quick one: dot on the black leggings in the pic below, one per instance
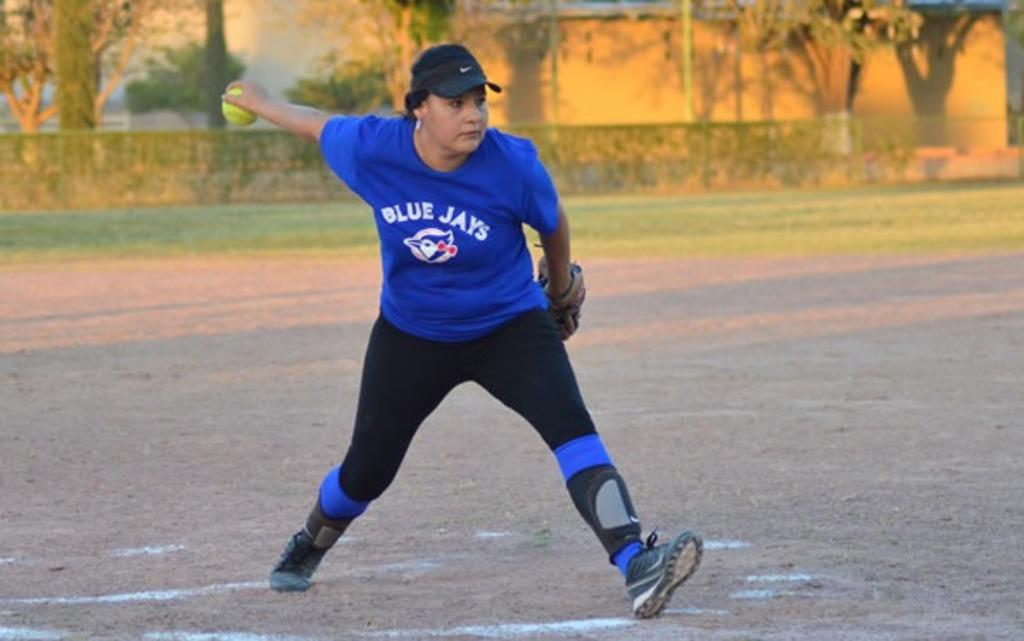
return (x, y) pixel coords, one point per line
(523, 364)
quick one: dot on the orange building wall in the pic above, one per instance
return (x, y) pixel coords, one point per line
(609, 71)
(623, 70)
(619, 71)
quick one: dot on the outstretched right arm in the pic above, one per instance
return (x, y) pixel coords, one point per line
(301, 121)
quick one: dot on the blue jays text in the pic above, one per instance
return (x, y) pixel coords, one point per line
(413, 211)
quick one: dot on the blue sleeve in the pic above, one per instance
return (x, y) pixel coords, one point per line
(339, 141)
(540, 209)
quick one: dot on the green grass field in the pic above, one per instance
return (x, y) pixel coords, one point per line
(921, 218)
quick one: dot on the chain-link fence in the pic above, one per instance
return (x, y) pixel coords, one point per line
(125, 169)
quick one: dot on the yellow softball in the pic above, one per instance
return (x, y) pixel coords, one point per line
(234, 114)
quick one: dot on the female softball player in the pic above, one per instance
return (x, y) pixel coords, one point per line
(449, 198)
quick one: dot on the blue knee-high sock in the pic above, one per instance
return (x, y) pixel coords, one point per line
(580, 454)
(333, 500)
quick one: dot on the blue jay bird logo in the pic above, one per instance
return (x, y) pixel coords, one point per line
(432, 245)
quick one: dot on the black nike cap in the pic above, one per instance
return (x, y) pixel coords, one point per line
(448, 70)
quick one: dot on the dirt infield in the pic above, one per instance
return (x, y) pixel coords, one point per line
(847, 434)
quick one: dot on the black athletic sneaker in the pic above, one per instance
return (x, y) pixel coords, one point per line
(300, 559)
(657, 571)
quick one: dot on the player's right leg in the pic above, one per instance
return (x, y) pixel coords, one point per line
(394, 398)
(302, 555)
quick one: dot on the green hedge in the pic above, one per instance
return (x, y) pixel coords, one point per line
(681, 157)
(117, 169)
(92, 170)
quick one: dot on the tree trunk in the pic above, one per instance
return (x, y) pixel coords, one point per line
(28, 123)
(830, 68)
(737, 72)
(526, 45)
(139, 10)
(395, 22)
(406, 53)
(76, 76)
(928, 85)
(836, 136)
(215, 70)
(834, 72)
(764, 62)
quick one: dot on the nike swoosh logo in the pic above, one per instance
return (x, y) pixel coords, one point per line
(464, 69)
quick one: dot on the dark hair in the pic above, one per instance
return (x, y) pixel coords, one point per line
(414, 99)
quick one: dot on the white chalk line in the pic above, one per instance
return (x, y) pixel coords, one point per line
(491, 631)
(137, 597)
(726, 544)
(149, 550)
(492, 535)
(768, 593)
(779, 578)
(757, 595)
(419, 565)
(694, 611)
(31, 634)
(28, 634)
(407, 566)
(155, 550)
(509, 630)
(220, 636)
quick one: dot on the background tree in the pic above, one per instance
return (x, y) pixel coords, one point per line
(929, 66)
(526, 44)
(836, 36)
(714, 77)
(215, 70)
(764, 27)
(28, 51)
(26, 63)
(1015, 30)
(391, 32)
(929, 61)
(75, 68)
(175, 81)
(349, 87)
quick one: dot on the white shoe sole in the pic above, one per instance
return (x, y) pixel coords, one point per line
(683, 562)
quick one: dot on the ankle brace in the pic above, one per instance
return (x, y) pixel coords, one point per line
(601, 497)
(324, 531)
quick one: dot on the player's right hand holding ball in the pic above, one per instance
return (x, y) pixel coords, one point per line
(240, 102)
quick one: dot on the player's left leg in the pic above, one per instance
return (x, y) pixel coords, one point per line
(524, 365)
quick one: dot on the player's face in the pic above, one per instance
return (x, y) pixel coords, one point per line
(456, 125)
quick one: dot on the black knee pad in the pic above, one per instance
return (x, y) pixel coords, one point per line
(601, 497)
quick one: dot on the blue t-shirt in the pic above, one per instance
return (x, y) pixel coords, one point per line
(455, 259)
